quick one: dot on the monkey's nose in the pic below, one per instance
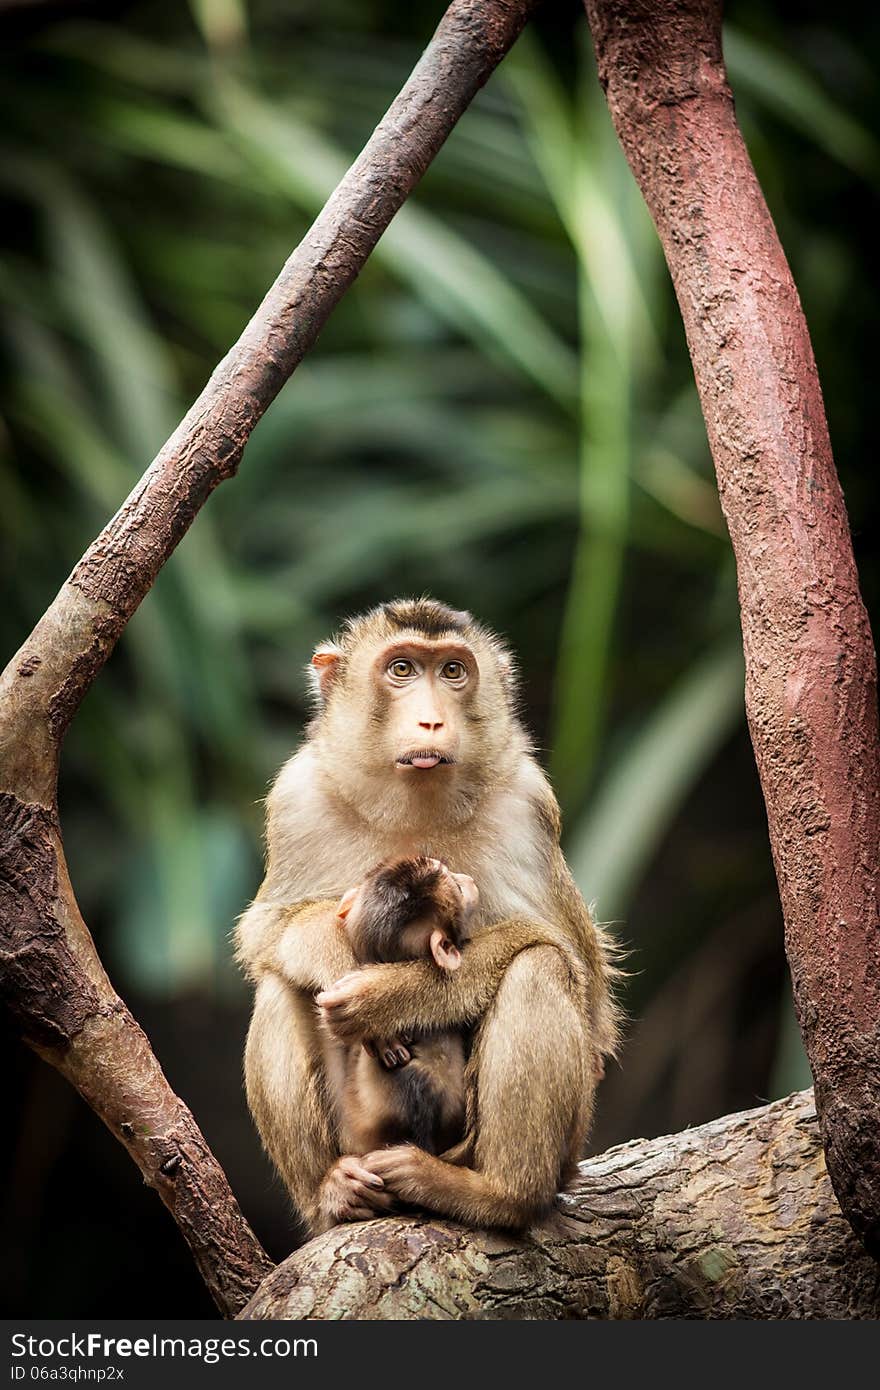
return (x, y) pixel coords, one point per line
(432, 728)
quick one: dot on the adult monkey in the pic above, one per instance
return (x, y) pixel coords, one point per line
(417, 749)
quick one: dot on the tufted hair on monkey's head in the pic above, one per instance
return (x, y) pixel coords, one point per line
(426, 617)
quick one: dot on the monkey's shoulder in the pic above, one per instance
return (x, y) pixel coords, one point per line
(542, 800)
(297, 779)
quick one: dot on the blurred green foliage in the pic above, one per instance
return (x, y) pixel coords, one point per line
(500, 412)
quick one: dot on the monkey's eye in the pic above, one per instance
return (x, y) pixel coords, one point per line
(401, 669)
(454, 671)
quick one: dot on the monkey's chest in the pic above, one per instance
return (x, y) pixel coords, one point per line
(500, 855)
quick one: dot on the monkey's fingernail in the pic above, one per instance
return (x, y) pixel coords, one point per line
(376, 1182)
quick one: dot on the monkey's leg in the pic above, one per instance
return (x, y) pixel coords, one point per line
(287, 1094)
(534, 1100)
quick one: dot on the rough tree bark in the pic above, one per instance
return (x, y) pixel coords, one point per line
(811, 683)
(53, 983)
(735, 1219)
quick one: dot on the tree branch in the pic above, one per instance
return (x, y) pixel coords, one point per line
(735, 1219)
(52, 981)
(811, 685)
(73, 640)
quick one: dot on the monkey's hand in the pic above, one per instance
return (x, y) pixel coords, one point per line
(339, 1015)
(351, 1191)
(339, 1010)
(406, 1171)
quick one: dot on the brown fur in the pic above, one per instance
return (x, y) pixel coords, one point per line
(414, 1091)
(535, 980)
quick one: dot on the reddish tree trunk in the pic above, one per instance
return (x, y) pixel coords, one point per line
(811, 691)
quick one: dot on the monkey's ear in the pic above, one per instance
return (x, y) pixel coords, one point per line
(346, 903)
(445, 952)
(325, 668)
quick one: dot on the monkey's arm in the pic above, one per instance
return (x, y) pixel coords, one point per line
(303, 943)
(415, 997)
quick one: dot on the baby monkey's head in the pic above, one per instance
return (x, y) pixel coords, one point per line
(407, 909)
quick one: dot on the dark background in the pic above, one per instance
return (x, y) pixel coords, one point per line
(502, 413)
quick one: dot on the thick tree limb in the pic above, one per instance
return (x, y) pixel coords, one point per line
(735, 1219)
(52, 980)
(811, 684)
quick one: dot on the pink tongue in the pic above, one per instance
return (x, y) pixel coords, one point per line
(425, 762)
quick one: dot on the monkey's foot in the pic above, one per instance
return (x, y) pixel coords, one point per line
(404, 1170)
(352, 1192)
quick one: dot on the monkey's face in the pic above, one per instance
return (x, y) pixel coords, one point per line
(422, 693)
(416, 725)
(469, 897)
(439, 721)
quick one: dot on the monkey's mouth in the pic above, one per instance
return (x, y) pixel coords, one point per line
(425, 758)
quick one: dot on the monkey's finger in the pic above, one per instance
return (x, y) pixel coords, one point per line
(392, 1053)
(332, 998)
(327, 999)
(341, 1024)
(358, 1213)
(383, 1201)
(359, 1172)
(337, 993)
(379, 1160)
(338, 1022)
(377, 1201)
(394, 1163)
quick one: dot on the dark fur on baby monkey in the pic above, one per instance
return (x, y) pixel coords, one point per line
(413, 1089)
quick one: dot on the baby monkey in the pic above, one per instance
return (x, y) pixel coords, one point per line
(411, 1090)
